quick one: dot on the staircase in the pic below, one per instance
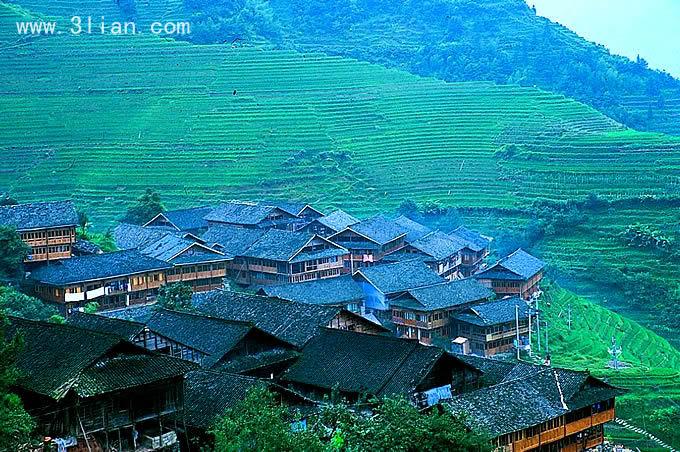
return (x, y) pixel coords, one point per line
(623, 423)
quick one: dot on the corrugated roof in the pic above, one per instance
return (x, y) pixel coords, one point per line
(39, 215)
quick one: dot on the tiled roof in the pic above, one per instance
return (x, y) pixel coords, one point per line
(39, 215)
(400, 276)
(131, 236)
(438, 245)
(278, 245)
(337, 220)
(444, 296)
(328, 291)
(56, 359)
(189, 219)
(519, 263)
(378, 229)
(208, 395)
(242, 213)
(541, 395)
(98, 266)
(233, 240)
(292, 322)
(139, 314)
(495, 312)
(83, 247)
(171, 248)
(364, 363)
(473, 240)
(413, 229)
(125, 329)
(213, 336)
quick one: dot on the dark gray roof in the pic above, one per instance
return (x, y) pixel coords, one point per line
(444, 296)
(378, 229)
(364, 363)
(82, 247)
(472, 240)
(495, 312)
(414, 229)
(438, 245)
(171, 248)
(39, 215)
(240, 213)
(131, 236)
(519, 263)
(233, 240)
(400, 276)
(188, 219)
(125, 329)
(213, 336)
(527, 401)
(277, 244)
(98, 266)
(139, 314)
(328, 291)
(337, 220)
(292, 322)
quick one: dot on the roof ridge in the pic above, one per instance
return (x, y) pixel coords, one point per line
(200, 314)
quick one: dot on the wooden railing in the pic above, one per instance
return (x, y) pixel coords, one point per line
(577, 426)
(603, 416)
(551, 435)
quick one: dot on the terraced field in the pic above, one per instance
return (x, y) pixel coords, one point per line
(654, 373)
(103, 117)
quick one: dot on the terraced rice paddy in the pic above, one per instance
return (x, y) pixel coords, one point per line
(102, 117)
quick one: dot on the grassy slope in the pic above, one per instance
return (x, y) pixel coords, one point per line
(102, 117)
(654, 373)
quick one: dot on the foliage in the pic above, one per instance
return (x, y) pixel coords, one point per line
(7, 200)
(646, 236)
(175, 296)
(91, 307)
(15, 423)
(104, 241)
(258, 423)
(668, 420)
(83, 220)
(18, 304)
(13, 251)
(147, 206)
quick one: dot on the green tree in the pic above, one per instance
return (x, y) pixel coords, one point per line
(175, 296)
(83, 220)
(7, 200)
(16, 424)
(258, 423)
(18, 304)
(91, 307)
(147, 206)
(13, 251)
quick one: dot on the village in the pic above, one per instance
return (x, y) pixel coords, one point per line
(305, 302)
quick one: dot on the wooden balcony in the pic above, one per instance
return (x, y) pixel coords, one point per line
(594, 441)
(604, 416)
(526, 443)
(551, 435)
(577, 426)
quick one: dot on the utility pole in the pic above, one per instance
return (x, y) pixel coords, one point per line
(569, 317)
(547, 348)
(530, 353)
(538, 327)
(517, 329)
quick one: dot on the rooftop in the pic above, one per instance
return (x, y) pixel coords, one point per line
(364, 363)
(189, 219)
(39, 215)
(444, 296)
(337, 220)
(328, 291)
(438, 245)
(495, 312)
(126, 329)
(291, 322)
(233, 240)
(241, 213)
(472, 240)
(414, 230)
(378, 229)
(97, 266)
(400, 276)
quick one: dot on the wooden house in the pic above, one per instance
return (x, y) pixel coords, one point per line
(93, 391)
(476, 248)
(425, 313)
(121, 278)
(551, 408)
(291, 322)
(280, 257)
(357, 364)
(191, 220)
(48, 228)
(413, 229)
(253, 215)
(382, 283)
(491, 327)
(330, 224)
(369, 241)
(517, 274)
(441, 252)
(342, 291)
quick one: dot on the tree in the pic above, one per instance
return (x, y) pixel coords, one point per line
(258, 423)
(7, 200)
(175, 296)
(91, 307)
(17, 304)
(147, 206)
(16, 424)
(83, 220)
(13, 252)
